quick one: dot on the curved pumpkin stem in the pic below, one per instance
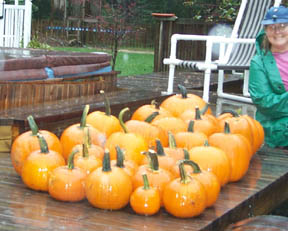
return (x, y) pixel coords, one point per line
(159, 148)
(70, 161)
(120, 117)
(183, 91)
(191, 126)
(107, 103)
(84, 116)
(33, 126)
(106, 165)
(43, 144)
(120, 157)
(154, 164)
(194, 165)
(184, 178)
(151, 117)
(172, 141)
(232, 112)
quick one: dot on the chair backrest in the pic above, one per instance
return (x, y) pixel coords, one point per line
(239, 55)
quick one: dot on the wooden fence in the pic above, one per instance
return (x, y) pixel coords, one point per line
(89, 34)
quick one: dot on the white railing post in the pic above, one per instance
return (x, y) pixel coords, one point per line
(2, 14)
(27, 23)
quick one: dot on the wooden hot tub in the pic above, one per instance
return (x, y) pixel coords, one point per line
(31, 77)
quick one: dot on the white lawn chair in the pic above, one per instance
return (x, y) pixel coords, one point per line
(235, 52)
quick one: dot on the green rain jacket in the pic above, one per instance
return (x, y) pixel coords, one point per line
(269, 95)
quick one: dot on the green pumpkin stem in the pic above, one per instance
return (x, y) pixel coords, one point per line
(33, 126)
(197, 114)
(191, 126)
(43, 144)
(184, 178)
(183, 91)
(186, 154)
(84, 116)
(106, 164)
(120, 117)
(227, 128)
(85, 144)
(172, 141)
(204, 109)
(194, 165)
(159, 148)
(70, 161)
(146, 185)
(107, 103)
(151, 117)
(120, 157)
(206, 144)
(154, 163)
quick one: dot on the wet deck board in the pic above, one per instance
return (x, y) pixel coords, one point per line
(263, 188)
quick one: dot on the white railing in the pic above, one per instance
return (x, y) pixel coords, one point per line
(15, 26)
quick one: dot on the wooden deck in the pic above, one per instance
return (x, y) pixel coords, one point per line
(262, 189)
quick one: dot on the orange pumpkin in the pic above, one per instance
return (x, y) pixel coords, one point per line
(129, 166)
(108, 187)
(212, 159)
(131, 143)
(28, 142)
(238, 151)
(38, 166)
(67, 183)
(145, 200)
(179, 103)
(157, 176)
(207, 179)
(74, 134)
(144, 111)
(148, 131)
(190, 138)
(165, 161)
(184, 197)
(104, 121)
(173, 151)
(170, 124)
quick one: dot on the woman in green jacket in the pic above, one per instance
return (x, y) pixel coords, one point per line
(268, 82)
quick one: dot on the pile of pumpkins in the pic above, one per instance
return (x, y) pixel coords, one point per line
(176, 155)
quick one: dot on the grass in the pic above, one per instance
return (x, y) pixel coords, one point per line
(130, 62)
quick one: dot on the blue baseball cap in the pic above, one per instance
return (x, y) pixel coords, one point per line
(276, 15)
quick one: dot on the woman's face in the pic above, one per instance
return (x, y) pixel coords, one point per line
(277, 35)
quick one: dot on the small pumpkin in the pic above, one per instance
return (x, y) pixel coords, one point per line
(239, 151)
(145, 200)
(158, 177)
(144, 111)
(133, 144)
(184, 197)
(74, 134)
(38, 166)
(67, 183)
(190, 138)
(212, 159)
(104, 121)
(129, 166)
(207, 179)
(28, 142)
(179, 103)
(108, 187)
(175, 152)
